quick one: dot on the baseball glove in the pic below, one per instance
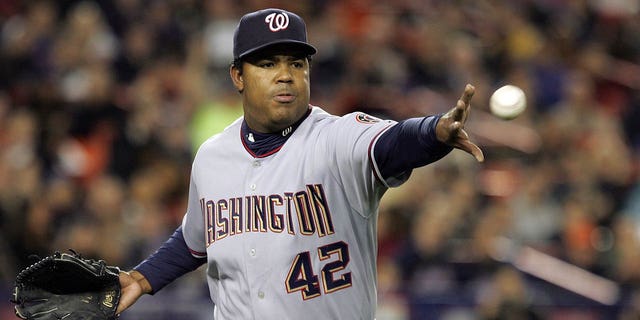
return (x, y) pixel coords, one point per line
(67, 286)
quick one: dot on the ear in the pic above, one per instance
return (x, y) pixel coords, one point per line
(236, 78)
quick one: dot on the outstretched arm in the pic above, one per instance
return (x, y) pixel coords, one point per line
(416, 142)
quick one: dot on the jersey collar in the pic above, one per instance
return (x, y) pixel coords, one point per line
(261, 145)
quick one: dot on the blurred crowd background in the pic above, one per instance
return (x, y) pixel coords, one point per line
(103, 104)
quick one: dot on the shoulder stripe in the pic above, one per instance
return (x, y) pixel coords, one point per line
(374, 165)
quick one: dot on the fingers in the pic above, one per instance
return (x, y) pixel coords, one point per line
(462, 106)
(122, 306)
(452, 131)
(469, 90)
(473, 149)
(459, 111)
(463, 143)
(130, 291)
(126, 300)
(470, 147)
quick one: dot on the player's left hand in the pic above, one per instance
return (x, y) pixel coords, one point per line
(133, 285)
(450, 128)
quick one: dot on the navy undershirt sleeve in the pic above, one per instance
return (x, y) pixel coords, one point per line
(172, 260)
(409, 144)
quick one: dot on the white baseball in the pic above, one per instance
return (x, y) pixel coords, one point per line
(508, 102)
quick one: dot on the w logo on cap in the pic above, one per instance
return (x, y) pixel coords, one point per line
(277, 21)
(260, 29)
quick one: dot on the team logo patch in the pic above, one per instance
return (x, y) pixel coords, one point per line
(277, 21)
(365, 118)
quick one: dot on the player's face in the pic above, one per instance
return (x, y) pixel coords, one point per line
(275, 89)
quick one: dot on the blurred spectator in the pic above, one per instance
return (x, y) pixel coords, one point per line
(506, 297)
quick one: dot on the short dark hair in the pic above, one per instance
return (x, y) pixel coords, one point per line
(237, 63)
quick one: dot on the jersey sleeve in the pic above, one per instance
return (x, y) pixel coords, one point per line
(193, 222)
(350, 144)
(169, 262)
(411, 143)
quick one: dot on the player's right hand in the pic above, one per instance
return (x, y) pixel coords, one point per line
(450, 128)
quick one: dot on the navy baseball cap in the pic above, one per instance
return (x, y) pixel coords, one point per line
(260, 29)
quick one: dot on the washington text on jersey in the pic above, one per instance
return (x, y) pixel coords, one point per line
(269, 213)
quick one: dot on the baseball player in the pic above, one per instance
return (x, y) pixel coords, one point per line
(283, 203)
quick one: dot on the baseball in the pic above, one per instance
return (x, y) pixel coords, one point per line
(508, 102)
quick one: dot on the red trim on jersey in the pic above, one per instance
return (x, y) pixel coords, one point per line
(197, 254)
(255, 155)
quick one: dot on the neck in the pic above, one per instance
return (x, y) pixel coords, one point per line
(265, 144)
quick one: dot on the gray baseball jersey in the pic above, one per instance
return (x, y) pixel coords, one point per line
(291, 235)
